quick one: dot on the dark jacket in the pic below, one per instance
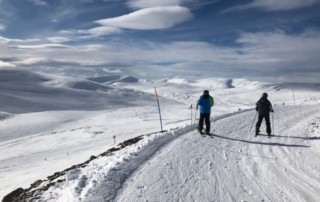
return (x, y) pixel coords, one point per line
(264, 106)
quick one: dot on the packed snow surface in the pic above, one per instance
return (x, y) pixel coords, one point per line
(231, 165)
(49, 123)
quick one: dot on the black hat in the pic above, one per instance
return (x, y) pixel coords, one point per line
(206, 92)
(265, 95)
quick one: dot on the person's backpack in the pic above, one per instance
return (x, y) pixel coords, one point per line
(263, 106)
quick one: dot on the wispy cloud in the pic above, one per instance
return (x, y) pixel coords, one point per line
(58, 39)
(275, 5)
(282, 52)
(6, 64)
(81, 35)
(8, 40)
(153, 3)
(2, 27)
(150, 18)
(38, 2)
(138, 4)
(42, 46)
(31, 61)
(101, 31)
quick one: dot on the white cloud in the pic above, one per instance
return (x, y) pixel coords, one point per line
(31, 61)
(150, 18)
(281, 52)
(42, 46)
(103, 30)
(38, 2)
(76, 35)
(138, 4)
(58, 39)
(276, 5)
(2, 27)
(6, 64)
(8, 40)
(153, 3)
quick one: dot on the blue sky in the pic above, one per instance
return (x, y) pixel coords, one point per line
(160, 38)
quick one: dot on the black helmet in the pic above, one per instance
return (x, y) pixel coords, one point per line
(265, 95)
(206, 92)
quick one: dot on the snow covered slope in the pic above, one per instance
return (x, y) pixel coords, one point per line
(230, 95)
(234, 165)
(230, 165)
(49, 123)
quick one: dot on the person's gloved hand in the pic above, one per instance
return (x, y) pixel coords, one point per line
(272, 110)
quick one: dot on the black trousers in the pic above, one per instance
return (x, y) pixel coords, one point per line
(206, 118)
(260, 118)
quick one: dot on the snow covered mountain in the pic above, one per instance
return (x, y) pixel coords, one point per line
(23, 92)
(50, 123)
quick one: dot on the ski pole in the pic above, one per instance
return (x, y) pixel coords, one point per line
(273, 124)
(195, 117)
(253, 122)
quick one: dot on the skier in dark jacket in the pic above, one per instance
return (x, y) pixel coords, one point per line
(205, 102)
(263, 108)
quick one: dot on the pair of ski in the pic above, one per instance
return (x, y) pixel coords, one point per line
(203, 133)
(269, 136)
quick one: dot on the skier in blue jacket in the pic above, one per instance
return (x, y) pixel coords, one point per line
(205, 102)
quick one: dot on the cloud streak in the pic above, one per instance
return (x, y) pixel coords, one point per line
(6, 64)
(8, 40)
(150, 18)
(38, 2)
(138, 4)
(275, 5)
(2, 27)
(42, 46)
(102, 31)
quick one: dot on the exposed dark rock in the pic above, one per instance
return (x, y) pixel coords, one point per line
(13, 196)
(92, 158)
(36, 183)
(130, 142)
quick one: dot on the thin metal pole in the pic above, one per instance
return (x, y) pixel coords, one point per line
(294, 99)
(159, 108)
(191, 114)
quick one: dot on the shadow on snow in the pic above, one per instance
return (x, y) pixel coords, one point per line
(294, 137)
(261, 143)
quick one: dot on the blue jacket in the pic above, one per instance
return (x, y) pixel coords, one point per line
(205, 102)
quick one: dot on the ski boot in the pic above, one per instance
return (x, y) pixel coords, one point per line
(257, 133)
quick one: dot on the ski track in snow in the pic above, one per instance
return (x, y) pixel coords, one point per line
(231, 166)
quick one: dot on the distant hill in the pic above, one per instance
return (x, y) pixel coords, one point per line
(24, 91)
